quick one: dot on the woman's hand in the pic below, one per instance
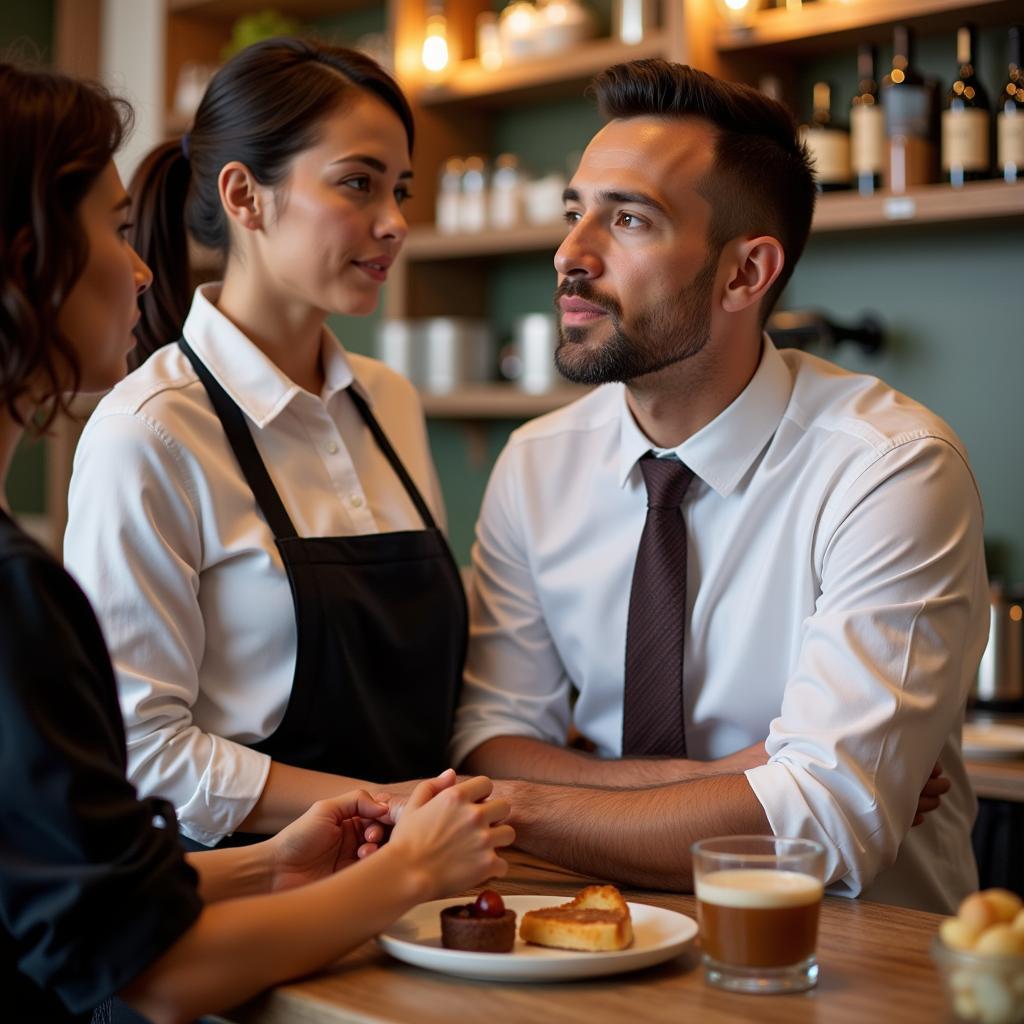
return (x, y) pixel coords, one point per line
(449, 832)
(328, 837)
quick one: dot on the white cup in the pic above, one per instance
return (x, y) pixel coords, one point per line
(398, 346)
(456, 351)
(536, 338)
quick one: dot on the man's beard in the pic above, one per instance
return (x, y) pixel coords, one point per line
(659, 337)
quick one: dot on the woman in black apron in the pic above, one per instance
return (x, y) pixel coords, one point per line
(380, 618)
(381, 624)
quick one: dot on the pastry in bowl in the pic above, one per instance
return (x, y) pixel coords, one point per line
(596, 920)
(980, 953)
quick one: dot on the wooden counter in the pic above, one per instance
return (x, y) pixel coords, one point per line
(997, 780)
(874, 959)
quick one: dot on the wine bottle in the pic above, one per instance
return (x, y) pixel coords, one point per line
(867, 125)
(1010, 114)
(827, 142)
(965, 120)
(908, 102)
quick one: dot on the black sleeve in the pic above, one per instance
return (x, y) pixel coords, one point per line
(93, 884)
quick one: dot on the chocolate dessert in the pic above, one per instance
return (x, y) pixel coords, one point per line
(481, 927)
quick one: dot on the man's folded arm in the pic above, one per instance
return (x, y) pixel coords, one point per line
(884, 663)
(523, 757)
(638, 837)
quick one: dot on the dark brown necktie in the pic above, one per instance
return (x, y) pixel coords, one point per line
(652, 714)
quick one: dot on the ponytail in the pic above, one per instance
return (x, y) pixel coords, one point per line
(159, 189)
(262, 108)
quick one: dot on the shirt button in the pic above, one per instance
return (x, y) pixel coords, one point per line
(332, 447)
(355, 501)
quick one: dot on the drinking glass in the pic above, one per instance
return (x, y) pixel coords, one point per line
(758, 899)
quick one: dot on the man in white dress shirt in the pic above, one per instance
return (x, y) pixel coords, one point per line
(836, 585)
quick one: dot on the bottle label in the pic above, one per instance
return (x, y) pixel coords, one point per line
(830, 154)
(909, 163)
(867, 138)
(1010, 138)
(965, 139)
(907, 109)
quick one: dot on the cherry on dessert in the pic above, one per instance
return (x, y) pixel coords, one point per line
(489, 904)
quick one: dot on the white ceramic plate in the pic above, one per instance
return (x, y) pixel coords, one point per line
(658, 935)
(993, 739)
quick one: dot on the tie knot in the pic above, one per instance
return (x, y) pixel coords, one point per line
(667, 481)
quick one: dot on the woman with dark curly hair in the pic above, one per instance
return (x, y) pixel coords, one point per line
(96, 896)
(254, 512)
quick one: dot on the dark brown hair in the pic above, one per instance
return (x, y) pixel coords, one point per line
(57, 134)
(761, 181)
(262, 108)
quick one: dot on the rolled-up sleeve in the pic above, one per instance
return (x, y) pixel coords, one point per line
(885, 660)
(515, 683)
(140, 567)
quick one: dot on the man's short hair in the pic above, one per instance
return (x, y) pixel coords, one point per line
(761, 181)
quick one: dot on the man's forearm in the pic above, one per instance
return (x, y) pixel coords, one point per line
(520, 757)
(640, 837)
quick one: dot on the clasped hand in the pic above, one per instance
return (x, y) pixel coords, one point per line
(336, 832)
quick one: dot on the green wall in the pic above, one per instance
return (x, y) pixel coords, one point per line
(26, 26)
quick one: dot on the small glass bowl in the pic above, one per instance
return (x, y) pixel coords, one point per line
(984, 988)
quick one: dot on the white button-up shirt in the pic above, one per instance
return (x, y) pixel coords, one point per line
(165, 538)
(837, 606)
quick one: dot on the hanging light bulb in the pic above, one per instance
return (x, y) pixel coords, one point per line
(736, 11)
(435, 41)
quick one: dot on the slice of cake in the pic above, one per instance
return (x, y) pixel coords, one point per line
(596, 920)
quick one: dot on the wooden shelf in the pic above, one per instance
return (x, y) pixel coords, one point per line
(829, 24)
(228, 10)
(844, 211)
(929, 204)
(562, 74)
(496, 402)
(425, 244)
(997, 780)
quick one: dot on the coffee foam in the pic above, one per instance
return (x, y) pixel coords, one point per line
(756, 889)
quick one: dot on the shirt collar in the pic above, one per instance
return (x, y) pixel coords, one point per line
(721, 452)
(251, 379)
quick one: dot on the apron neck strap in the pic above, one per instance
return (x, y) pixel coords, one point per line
(392, 456)
(240, 438)
(254, 469)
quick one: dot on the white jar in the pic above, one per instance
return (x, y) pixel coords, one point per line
(563, 25)
(449, 198)
(473, 197)
(543, 199)
(505, 206)
(519, 26)
(398, 346)
(633, 20)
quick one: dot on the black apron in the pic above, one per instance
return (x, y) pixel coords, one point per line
(381, 631)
